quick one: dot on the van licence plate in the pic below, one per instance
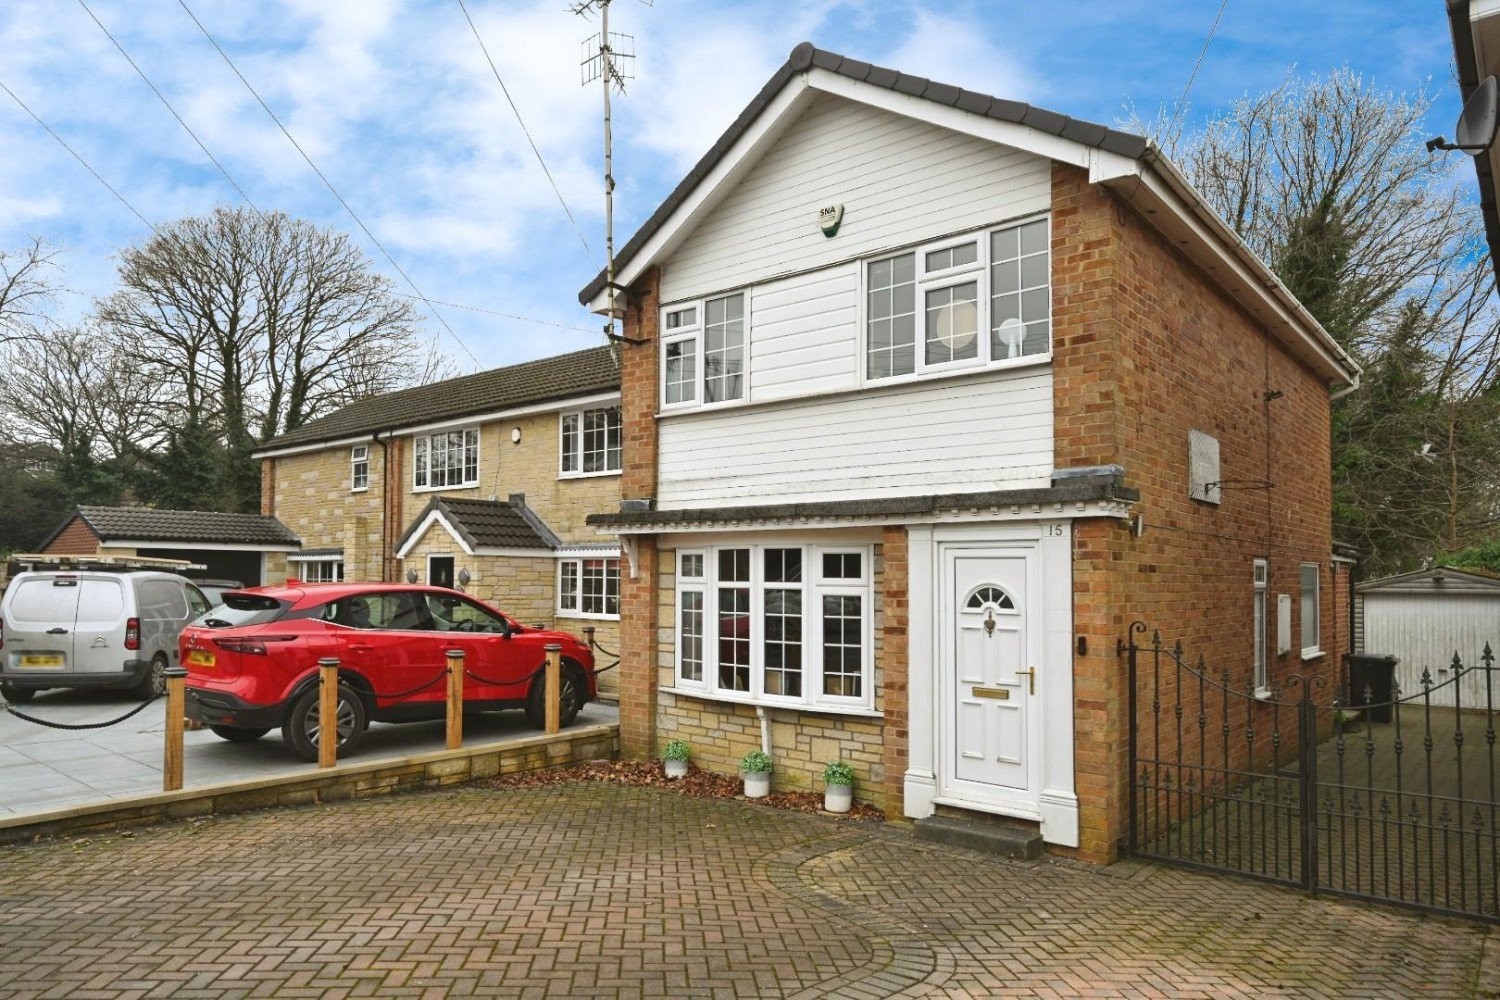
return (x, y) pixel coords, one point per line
(200, 657)
(39, 661)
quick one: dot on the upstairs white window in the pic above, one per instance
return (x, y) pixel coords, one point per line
(777, 625)
(981, 299)
(704, 350)
(359, 468)
(446, 460)
(590, 442)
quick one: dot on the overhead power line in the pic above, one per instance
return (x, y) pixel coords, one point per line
(167, 104)
(1182, 101)
(327, 183)
(506, 315)
(527, 132)
(63, 143)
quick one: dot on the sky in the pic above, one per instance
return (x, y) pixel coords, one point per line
(398, 108)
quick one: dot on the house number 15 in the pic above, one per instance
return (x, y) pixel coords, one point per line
(1054, 531)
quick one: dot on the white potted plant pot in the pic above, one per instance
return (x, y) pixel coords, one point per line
(755, 771)
(676, 768)
(838, 787)
(675, 759)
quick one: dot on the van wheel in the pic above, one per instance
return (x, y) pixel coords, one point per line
(154, 683)
(16, 695)
(303, 725)
(237, 734)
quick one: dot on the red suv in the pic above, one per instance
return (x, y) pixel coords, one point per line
(253, 661)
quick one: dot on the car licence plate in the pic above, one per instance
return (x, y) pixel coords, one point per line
(200, 658)
(40, 661)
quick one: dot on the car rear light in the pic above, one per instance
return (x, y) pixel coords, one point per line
(132, 633)
(255, 646)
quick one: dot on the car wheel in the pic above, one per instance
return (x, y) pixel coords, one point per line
(236, 734)
(16, 695)
(570, 698)
(303, 725)
(155, 681)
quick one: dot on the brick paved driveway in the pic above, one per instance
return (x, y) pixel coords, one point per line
(599, 890)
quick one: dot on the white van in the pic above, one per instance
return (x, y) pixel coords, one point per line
(94, 628)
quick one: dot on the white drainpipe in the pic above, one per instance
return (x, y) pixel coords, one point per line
(765, 729)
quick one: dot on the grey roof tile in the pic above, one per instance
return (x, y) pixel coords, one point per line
(579, 373)
(804, 57)
(149, 524)
(498, 524)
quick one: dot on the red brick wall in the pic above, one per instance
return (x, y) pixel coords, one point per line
(1145, 349)
(895, 699)
(77, 539)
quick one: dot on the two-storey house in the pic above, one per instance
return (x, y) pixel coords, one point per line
(927, 396)
(480, 482)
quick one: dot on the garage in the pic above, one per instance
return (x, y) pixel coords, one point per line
(1424, 619)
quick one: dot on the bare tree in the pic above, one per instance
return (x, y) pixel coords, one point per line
(25, 288)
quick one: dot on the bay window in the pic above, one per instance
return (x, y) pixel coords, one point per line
(777, 624)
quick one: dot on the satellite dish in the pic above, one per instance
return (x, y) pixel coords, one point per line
(1475, 131)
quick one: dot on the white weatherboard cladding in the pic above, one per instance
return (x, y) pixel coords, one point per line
(804, 334)
(961, 435)
(900, 181)
(1424, 631)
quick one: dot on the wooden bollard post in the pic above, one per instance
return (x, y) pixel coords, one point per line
(554, 687)
(171, 771)
(328, 711)
(455, 698)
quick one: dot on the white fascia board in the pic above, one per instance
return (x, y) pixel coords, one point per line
(1160, 180)
(602, 550)
(302, 449)
(766, 129)
(1016, 136)
(1480, 10)
(126, 543)
(436, 517)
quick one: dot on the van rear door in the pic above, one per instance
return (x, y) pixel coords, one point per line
(99, 635)
(39, 624)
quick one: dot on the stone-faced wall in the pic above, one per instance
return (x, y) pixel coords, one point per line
(311, 496)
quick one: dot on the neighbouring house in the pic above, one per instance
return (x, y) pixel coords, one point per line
(1475, 27)
(1425, 619)
(249, 548)
(480, 482)
(928, 396)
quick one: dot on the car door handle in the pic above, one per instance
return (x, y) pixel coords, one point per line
(57, 631)
(359, 647)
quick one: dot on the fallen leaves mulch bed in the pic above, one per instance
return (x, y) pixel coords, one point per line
(698, 784)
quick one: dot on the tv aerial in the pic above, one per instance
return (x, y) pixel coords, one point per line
(1475, 130)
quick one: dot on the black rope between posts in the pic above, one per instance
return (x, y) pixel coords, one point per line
(79, 726)
(420, 687)
(486, 680)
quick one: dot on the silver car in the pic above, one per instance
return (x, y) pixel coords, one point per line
(92, 628)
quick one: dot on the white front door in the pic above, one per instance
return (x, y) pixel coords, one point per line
(991, 747)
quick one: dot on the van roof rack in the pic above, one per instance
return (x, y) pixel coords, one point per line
(28, 561)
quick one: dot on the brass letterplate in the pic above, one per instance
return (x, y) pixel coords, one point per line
(1002, 694)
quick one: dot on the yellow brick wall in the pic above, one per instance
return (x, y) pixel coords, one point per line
(720, 733)
(312, 497)
(310, 491)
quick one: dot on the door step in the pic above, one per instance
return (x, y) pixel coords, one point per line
(981, 835)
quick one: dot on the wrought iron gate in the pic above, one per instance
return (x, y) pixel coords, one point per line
(1391, 800)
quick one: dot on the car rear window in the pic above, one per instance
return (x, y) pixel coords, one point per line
(244, 609)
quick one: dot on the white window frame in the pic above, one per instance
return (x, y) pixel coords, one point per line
(1260, 577)
(695, 334)
(570, 595)
(1312, 643)
(571, 457)
(421, 460)
(330, 569)
(359, 455)
(978, 272)
(814, 587)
